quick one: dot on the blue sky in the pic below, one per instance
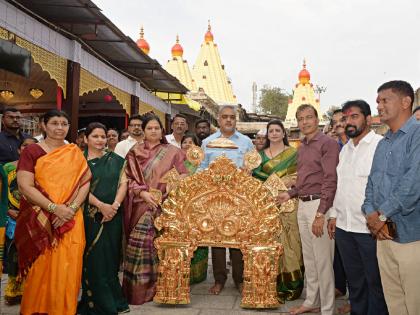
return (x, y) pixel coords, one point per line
(351, 46)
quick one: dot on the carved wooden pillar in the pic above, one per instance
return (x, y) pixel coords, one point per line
(71, 104)
(134, 106)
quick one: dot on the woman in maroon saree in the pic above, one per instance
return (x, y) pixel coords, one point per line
(147, 163)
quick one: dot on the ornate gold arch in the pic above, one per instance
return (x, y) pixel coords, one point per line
(90, 83)
(55, 66)
(221, 206)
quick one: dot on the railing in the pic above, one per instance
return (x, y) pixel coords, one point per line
(28, 125)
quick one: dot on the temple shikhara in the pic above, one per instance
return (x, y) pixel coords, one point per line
(209, 72)
(179, 68)
(303, 93)
(142, 43)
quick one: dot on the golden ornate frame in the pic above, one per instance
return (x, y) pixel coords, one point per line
(221, 206)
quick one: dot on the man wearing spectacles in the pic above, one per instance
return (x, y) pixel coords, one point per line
(11, 136)
(136, 135)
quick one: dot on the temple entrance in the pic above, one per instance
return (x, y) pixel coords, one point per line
(101, 106)
(221, 206)
(32, 95)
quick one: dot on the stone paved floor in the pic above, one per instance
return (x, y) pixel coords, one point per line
(228, 302)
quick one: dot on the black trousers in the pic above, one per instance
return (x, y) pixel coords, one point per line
(339, 273)
(358, 253)
(218, 256)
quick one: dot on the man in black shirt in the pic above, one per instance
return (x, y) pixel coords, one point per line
(10, 136)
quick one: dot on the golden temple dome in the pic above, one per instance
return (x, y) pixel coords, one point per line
(177, 50)
(208, 37)
(304, 75)
(142, 43)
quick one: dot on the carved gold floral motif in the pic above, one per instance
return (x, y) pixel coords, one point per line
(275, 184)
(195, 155)
(221, 206)
(252, 159)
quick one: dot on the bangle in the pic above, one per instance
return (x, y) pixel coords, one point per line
(118, 204)
(73, 206)
(51, 207)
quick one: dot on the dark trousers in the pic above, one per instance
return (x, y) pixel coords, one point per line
(358, 252)
(218, 256)
(339, 273)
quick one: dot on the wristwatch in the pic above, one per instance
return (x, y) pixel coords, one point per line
(382, 217)
(319, 215)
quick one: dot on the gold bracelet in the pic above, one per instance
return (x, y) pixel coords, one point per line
(51, 207)
(73, 206)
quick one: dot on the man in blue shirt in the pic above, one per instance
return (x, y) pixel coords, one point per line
(240, 145)
(393, 194)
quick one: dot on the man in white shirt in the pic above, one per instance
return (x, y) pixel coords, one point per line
(179, 126)
(347, 222)
(136, 136)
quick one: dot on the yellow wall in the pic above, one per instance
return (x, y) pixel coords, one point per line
(144, 108)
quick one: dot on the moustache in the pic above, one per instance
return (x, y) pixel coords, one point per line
(350, 126)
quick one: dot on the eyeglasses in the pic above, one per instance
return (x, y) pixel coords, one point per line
(57, 124)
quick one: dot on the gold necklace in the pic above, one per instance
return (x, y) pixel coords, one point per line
(271, 153)
(51, 148)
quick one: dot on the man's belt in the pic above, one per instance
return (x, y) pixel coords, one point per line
(310, 197)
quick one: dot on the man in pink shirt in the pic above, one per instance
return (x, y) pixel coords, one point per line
(315, 188)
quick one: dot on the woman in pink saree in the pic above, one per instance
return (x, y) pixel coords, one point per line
(147, 163)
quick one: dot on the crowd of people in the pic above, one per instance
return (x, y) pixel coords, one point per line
(79, 213)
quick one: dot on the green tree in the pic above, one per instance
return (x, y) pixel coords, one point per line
(274, 101)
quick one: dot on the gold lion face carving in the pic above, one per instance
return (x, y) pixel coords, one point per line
(195, 155)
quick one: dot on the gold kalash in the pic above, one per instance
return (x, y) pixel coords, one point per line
(222, 206)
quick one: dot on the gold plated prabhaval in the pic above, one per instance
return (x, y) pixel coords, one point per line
(221, 206)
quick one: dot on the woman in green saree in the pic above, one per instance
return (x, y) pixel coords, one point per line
(199, 262)
(279, 159)
(102, 292)
(14, 289)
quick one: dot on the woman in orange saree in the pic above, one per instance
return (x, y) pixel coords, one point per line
(54, 181)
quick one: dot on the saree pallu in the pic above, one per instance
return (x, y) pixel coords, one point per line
(102, 292)
(14, 289)
(53, 279)
(291, 274)
(200, 259)
(3, 211)
(145, 168)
